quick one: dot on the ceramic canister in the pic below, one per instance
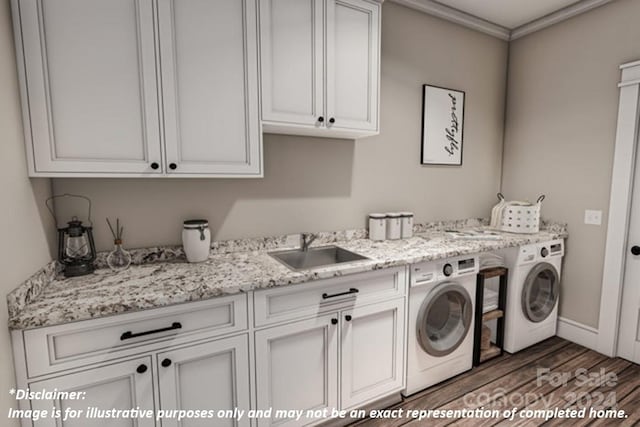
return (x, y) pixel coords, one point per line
(394, 225)
(407, 224)
(377, 226)
(196, 239)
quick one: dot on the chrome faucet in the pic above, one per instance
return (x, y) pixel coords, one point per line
(306, 239)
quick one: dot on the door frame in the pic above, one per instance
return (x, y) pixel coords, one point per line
(624, 165)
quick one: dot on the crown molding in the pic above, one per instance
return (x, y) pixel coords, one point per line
(630, 64)
(558, 16)
(451, 14)
(434, 8)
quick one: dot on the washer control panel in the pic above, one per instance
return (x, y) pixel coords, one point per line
(429, 272)
(467, 265)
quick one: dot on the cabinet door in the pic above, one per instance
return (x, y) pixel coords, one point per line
(292, 56)
(124, 385)
(353, 63)
(90, 71)
(210, 376)
(209, 54)
(372, 358)
(296, 368)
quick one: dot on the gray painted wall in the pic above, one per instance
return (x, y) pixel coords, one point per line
(322, 184)
(560, 134)
(27, 230)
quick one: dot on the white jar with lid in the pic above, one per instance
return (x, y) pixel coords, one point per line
(394, 225)
(407, 224)
(377, 226)
(196, 239)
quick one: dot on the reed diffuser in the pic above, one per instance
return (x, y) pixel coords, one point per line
(119, 259)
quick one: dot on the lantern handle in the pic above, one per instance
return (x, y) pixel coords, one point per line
(50, 208)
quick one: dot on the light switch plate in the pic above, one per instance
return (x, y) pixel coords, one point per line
(592, 217)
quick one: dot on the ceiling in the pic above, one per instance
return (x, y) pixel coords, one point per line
(504, 19)
(508, 13)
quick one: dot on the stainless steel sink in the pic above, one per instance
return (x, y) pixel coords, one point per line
(323, 256)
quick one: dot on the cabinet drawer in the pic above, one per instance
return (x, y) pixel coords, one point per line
(66, 346)
(293, 302)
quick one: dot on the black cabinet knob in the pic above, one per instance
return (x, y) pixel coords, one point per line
(332, 120)
(141, 369)
(348, 318)
(173, 166)
(155, 165)
(334, 321)
(635, 250)
(166, 363)
(320, 119)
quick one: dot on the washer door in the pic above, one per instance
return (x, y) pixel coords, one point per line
(444, 319)
(540, 292)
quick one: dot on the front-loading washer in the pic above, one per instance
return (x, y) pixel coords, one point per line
(533, 293)
(441, 321)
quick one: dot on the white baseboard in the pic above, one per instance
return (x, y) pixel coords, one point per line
(578, 333)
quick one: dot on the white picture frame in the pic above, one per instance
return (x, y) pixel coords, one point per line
(442, 126)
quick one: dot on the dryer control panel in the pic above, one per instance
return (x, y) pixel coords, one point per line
(429, 272)
(551, 249)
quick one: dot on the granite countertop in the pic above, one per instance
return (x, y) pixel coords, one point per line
(50, 299)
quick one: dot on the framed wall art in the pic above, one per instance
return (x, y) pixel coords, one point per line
(442, 126)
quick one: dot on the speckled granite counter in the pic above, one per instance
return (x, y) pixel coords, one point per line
(47, 299)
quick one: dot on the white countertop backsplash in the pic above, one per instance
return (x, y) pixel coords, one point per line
(160, 276)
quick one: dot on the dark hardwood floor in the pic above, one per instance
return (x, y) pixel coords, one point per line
(518, 381)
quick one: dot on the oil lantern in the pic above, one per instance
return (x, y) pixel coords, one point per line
(76, 248)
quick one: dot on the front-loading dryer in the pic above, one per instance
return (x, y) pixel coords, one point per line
(533, 293)
(441, 321)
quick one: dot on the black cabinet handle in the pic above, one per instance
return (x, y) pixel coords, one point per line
(128, 335)
(350, 291)
(635, 250)
(348, 318)
(155, 165)
(141, 369)
(320, 119)
(332, 120)
(166, 363)
(334, 321)
(173, 166)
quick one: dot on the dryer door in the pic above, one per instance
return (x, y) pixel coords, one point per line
(540, 292)
(444, 319)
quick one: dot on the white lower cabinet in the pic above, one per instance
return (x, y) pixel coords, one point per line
(213, 376)
(372, 354)
(207, 376)
(341, 360)
(296, 366)
(296, 353)
(122, 385)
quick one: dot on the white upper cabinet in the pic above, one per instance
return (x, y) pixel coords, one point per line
(116, 88)
(90, 74)
(209, 64)
(320, 67)
(352, 65)
(292, 61)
